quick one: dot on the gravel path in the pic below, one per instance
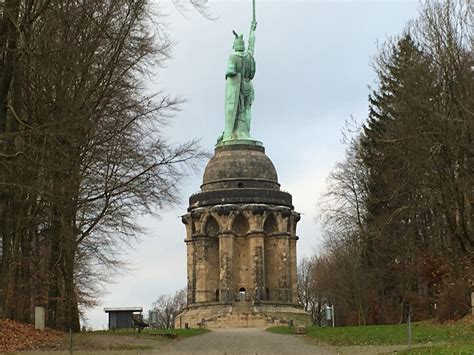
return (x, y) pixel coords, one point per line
(258, 341)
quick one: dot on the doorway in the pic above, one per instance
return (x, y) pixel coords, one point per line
(242, 294)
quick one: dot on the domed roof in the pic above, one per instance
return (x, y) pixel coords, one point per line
(240, 166)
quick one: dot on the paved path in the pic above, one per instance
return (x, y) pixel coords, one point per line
(242, 341)
(258, 342)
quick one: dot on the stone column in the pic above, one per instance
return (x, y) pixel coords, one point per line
(283, 268)
(191, 268)
(200, 270)
(293, 270)
(271, 268)
(257, 275)
(226, 262)
(207, 268)
(191, 260)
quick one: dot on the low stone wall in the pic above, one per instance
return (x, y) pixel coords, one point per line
(228, 316)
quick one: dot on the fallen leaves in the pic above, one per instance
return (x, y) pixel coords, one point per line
(469, 319)
(16, 336)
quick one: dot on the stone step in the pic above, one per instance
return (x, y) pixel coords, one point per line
(242, 307)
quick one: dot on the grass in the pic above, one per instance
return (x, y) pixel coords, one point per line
(444, 349)
(179, 333)
(450, 336)
(282, 330)
(147, 332)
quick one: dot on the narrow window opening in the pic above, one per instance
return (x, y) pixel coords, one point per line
(240, 185)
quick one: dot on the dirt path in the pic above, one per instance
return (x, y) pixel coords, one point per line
(258, 341)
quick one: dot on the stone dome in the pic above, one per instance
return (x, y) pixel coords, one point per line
(240, 166)
(240, 174)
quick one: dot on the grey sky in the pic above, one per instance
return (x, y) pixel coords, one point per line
(313, 71)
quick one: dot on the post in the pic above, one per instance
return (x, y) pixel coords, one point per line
(39, 318)
(472, 303)
(70, 341)
(333, 322)
(330, 314)
(409, 325)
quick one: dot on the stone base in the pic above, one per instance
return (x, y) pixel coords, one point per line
(239, 141)
(241, 315)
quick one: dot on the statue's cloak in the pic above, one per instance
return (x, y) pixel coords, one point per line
(232, 97)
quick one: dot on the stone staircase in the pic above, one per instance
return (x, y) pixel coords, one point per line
(242, 315)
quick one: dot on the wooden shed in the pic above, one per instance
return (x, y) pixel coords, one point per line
(122, 317)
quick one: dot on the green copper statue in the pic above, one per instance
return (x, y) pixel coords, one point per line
(239, 92)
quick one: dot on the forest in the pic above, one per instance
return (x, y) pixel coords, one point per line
(398, 211)
(82, 152)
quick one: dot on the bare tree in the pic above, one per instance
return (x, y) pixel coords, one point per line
(308, 294)
(82, 152)
(167, 307)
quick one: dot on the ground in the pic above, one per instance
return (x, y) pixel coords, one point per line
(429, 337)
(221, 341)
(21, 336)
(259, 341)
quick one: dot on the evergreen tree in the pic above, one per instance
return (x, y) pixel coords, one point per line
(416, 241)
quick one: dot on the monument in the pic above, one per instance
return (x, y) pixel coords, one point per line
(241, 228)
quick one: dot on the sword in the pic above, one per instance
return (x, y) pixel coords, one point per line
(254, 13)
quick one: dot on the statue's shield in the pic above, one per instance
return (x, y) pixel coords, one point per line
(232, 93)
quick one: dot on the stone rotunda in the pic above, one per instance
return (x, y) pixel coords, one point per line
(241, 244)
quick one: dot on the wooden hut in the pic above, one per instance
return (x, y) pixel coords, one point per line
(122, 317)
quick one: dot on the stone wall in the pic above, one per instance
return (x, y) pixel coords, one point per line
(241, 253)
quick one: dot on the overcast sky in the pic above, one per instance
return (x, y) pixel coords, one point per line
(313, 72)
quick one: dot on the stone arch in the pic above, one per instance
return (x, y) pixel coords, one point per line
(211, 228)
(240, 225)
(270, 225)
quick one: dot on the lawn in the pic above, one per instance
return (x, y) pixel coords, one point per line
(180, 333)
(148, 332)
(439, 338)
(445, 349)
